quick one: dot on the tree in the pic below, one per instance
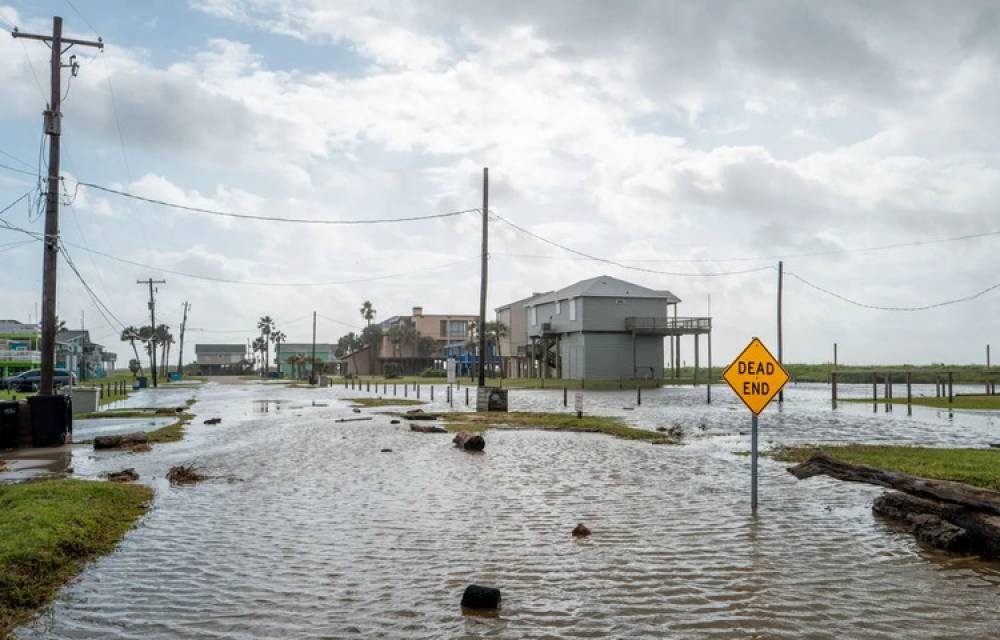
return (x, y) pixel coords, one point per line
(277, 338)
(402, 334)
(347, 345)
(426, 346)
(368, 312)
(164, 338)
(293, 361)
(130, 334)
(259, 345)
(495, 332)
(266, 326)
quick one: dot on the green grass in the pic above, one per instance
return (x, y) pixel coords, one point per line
(978, 403)
(480, 421)
(359, 403)
(977, 467)
(512, 383)
(172, 432)
(49, 529)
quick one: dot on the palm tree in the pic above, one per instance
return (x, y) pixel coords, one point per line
(130, 334)
(496, 331)
(293, 362)
(259, 345)
(163, 337)
(368, 312)
(266, 326)
(277, 338)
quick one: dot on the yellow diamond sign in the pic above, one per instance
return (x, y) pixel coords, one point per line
(756, 376)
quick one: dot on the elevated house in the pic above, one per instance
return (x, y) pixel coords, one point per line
(293, 359)
(599, 328)
(433, 339)
(76, 352)
(220, 359)
(19, 347)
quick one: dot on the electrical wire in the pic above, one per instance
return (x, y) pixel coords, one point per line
(13, 204)
(15, 158)
(622, 265)
(268, 283)
(104, 310)
(863, 305)
(10, 246)
(33, 174)
(245, 216)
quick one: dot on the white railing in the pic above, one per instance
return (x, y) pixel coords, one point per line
(20, 356)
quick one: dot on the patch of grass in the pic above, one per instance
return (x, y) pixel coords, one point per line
(480, 421)
(977, 467)
(359, 403)
(130, 413)
(517, 383)
(49, 529)
(171, 432)
(974, 403)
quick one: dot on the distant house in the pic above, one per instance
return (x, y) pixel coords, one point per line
(76, 352)
(300, 353)
(449, 334)
(19, 347)
(599, 328)
(220, 359)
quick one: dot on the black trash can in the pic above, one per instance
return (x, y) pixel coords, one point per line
(51, 420)
(8, 424)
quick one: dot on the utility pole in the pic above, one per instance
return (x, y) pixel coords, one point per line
(50, 256)
(152, 320)
(180, 354)
(781, 361)
(483, 277)
(312, 370)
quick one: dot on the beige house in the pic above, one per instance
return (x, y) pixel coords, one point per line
(449, 331)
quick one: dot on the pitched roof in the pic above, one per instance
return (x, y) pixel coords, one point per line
(220, 348)
(605, 287)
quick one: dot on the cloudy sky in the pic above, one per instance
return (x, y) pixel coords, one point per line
(682, 139)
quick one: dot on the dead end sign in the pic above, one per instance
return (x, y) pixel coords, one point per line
(756, 376)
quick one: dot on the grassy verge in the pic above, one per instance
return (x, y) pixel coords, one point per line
(519, 383)
(129, 413)
(360, 403)
(480, 421)
(172, 432)
(980, 403)
(977, 467)
(49, 529)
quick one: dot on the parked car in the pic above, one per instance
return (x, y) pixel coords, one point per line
(31, 379)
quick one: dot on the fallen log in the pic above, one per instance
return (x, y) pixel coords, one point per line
(418, 414)
(469, 441)
(930, 521)
(943, 490)
(119, 441)
(430, 428)
(353, 419)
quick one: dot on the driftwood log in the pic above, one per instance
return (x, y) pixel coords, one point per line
(124, 440)
(469, 441)
(943, 513)
(430, 428)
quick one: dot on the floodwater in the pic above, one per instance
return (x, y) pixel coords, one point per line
(310, 531)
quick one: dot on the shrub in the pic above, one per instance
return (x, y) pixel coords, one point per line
(431, 372)
(392, 370)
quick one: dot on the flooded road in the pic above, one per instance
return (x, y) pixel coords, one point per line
(310, 531)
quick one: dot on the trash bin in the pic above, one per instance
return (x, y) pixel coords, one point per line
(51, 420)
(143, 382)
(8, 424)
(86, 399)
(173, 376)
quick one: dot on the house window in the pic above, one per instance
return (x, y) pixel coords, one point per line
(444, 328)
(558, 307)
(534, 316)
(457, 328)
(572, 310)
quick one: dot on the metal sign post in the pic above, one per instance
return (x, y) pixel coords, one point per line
(757, 377)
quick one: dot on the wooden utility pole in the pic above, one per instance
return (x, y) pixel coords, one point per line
(781, 361)
(152, 320)
(483, 278)
(53, 129)
(312, 370)
(180, 355)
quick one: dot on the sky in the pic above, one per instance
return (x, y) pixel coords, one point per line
(687, 144)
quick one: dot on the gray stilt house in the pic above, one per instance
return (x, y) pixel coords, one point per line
(599, 329)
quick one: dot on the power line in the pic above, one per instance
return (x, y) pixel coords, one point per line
(863, 305)
(16, 159)
(12, 204)
(10, 246)
(622, 265)
(101, 307)
(246, 216)
(264, 283)
(33, 174)
(81, 16)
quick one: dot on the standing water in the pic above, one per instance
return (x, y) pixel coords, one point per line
(310, 531)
